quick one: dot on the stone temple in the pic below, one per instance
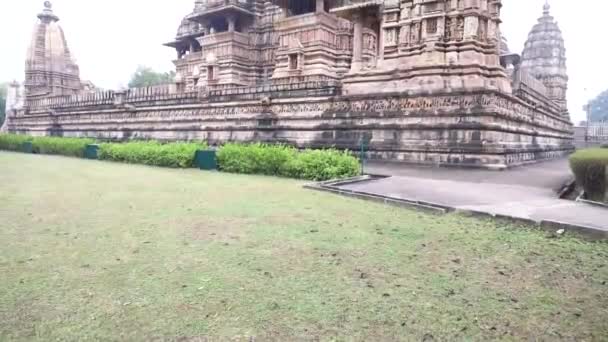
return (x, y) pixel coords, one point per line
(419, 81)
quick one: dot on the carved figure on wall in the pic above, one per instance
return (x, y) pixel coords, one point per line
(459, 28)
(404, 35)
(405, 13)
(390, 37)
(482, 29)
(450, 28)
(415, 33)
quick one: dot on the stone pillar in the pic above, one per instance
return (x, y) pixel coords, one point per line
(320, 6)
(357, 42)
(381, 37)
(231, 23)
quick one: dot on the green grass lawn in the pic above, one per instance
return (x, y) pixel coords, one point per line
(103, 251)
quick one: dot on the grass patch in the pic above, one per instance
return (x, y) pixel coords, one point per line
(105, 251)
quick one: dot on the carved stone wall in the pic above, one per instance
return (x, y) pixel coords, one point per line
(479, 129)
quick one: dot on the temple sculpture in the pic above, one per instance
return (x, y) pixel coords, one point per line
(419, 81)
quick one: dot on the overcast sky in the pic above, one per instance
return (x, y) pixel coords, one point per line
(110, 38)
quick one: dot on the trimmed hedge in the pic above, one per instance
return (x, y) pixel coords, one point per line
(589, 167)
(281, 160)
(73, 147)
(154, 153)
(272, 160)
(13, 142)
(255, 158)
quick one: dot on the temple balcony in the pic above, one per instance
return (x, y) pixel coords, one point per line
(227, 47)
(224, 37)
(188, 59)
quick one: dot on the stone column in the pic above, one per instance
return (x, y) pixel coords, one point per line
(357, 42)
(381, 37)
(320, 6)
(231, 23)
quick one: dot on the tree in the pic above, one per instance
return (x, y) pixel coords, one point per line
(598, 108)
(146, 77)
(3, 89)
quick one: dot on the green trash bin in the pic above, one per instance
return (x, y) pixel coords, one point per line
(205, 160)
(91, 151)
(27, 147)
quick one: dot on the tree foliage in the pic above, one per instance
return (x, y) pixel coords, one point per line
(598, 108)
(146, 77)
(3, 89)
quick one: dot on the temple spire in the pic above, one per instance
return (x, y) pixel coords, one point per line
(546, 8)
(47, 14)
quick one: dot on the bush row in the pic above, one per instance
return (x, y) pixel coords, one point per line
(13, 142)
(73, 147)
(589, 168)
(281, 160)
(178, 155)
(273, 160)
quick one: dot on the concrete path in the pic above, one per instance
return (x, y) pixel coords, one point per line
(528, 192)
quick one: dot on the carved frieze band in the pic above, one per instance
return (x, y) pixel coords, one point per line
(461, 104)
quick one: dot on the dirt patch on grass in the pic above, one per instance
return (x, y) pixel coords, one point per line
(224, 230)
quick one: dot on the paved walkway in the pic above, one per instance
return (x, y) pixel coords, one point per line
(528, 192)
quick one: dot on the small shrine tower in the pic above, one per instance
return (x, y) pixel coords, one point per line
(544, 57)
(49, 67)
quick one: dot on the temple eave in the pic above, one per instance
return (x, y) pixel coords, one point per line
(201, 16)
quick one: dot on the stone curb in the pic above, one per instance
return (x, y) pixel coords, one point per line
(397, 202)
(593, 203)
(586, 232)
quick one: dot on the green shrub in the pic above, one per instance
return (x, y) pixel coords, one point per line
(281, 160)
(589, 168)
(177, 155)
(73, 147)
(322, 165)
(13, 142)
(46, 145)
(255, 158)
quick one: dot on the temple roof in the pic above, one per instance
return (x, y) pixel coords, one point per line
(48, 50)
(545, 49)
(544, 57)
